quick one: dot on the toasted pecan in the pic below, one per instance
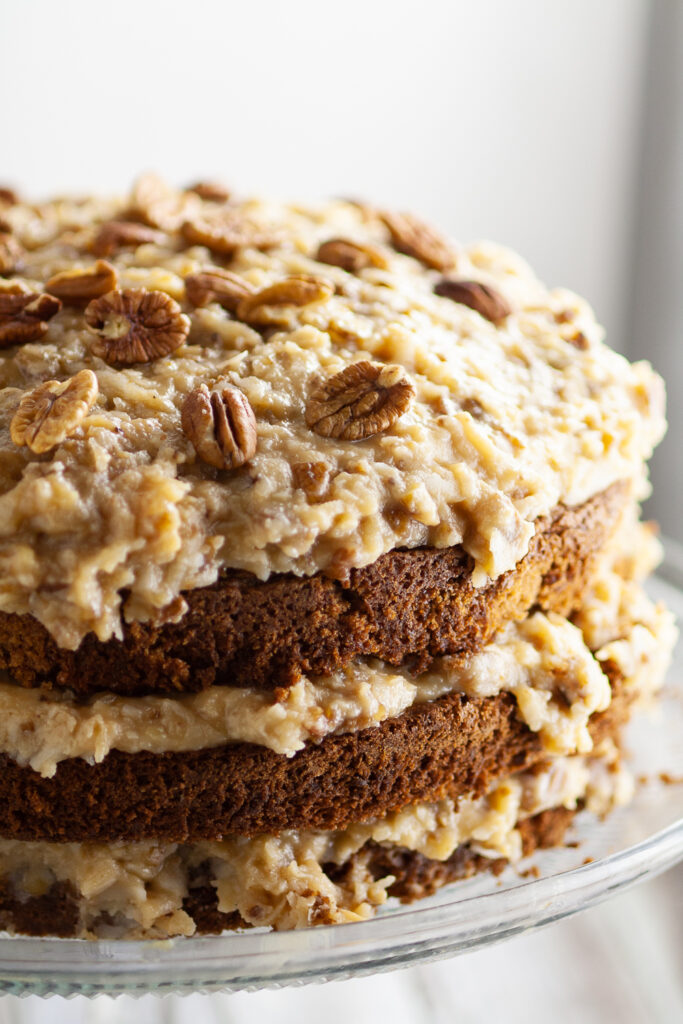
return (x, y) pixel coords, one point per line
(136, 326)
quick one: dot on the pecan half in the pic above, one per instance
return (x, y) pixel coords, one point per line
(221, 425)
(123, 234)
(265, 306)
(53, 411)
(24, 316)
(11, 253)
(217, 285)
(75, 287)
(480, 297)
(159, 205)
(412, 236)
(136, 326)
(209, 191)
(359, 401)
(8, 197)
(227, 230)
(351, 256)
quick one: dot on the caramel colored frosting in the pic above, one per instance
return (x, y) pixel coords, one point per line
(496, 415)
(553, 669)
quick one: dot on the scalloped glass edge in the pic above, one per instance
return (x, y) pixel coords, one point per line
(460, 918)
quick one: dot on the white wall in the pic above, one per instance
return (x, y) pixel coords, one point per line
(513, 120)
(656, 308)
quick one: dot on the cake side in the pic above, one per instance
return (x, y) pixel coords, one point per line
(297, 879)
(320, 562)
(408, 607)
(337, 750)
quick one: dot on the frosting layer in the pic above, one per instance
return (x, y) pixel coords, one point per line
(136, 890)
(547, 662)
(507, 419)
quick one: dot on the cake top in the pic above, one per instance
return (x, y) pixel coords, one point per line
(191, 381)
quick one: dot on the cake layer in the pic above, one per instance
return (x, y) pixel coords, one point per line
(551, 666)
(295, 879)
(453, 746)
(556, 681)
(408, 607)
(504, 413)
(543, 685)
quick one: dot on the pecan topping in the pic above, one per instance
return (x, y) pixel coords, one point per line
(263, 307)
(79, 286)
(351, 256)
(136, 326)
(8, 197)
(312, 477)
(53, 411)
(161, 206)
(216, 285)
(123, 234)
(24, 316)
(413, 237)
(221, 425)
(226, 230)
(359, 401)
(209, 191)
(478, 296)
(11, 253)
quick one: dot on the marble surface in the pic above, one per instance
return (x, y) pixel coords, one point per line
(622, 961)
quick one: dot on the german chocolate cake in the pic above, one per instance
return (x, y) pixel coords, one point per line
(320, 562)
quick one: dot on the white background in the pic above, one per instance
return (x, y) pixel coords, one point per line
(549, 125)
(555, 126)
(513, 120)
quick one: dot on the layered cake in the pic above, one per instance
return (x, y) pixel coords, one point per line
(320, 562)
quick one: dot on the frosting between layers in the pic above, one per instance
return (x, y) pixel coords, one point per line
(507, 422)
(545, 661)
(279, 880)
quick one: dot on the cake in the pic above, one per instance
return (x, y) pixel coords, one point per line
(321, 562)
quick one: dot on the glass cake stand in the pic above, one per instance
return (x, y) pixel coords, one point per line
(634, 843)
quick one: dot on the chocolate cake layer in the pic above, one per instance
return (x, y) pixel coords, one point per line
(57, 912)
(407, 607)
(449, 747)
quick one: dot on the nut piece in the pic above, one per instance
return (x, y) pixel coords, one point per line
(24, 316)
(351, 256)
(478, 296)
(8, 197)
(412, 236)
(75, 287)
(298, 290)
(216, 285)
(579, 340)
(359, 401)
(123, 234)
(209, 191)
(312, 477)
(221, 425)
(53, 411)
(11, 253)
(136, 326)
(226, 230)
(159, 205)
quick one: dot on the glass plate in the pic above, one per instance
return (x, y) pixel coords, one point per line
(634, 843)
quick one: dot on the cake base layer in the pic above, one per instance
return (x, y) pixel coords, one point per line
(408, 607)
(415, 876)
(57, 912)
(448, 747)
